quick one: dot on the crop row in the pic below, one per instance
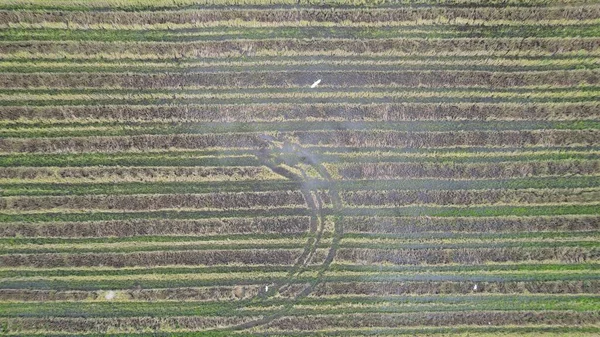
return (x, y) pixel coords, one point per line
(224, 201)
(172, 271)
(273, 199)
(445, 139)
(131, 174)
(111, 279)
(153, 244)
(272, 15)
(416, 210)
(320, 307)
(402, 225)
(448, 287)
(158, 258)
(381, 139)
(134, 228)
(230, 157)
(188, 187)
(350, 290)
(465, 255)
(207, 294)
(480, 318)
(417, 256)
(333, 47)
(113, 129)
(261, 64)
(468, 197)
(167, 5)
(305, 112)
(294, 79)
(312, 322)
(403, 170)
(428, 29)
(217, 243)
(123, 325)
(46, 97)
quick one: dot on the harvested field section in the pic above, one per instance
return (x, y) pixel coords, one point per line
(298, 168)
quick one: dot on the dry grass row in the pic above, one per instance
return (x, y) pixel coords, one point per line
(452, 319)
(301, 78)
(130, 228)
(337, 15)
(154, 201)
(393, 225)
(450, 287)
(398, 170)
(129, 174)
(466, 256)
(157, 258)
(158, 50)
(469, 197)
(299, 112)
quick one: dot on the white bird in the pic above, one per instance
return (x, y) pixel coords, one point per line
(110, 295)
(314, 85)
(475, 287)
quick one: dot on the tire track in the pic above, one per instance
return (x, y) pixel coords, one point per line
(291, 154)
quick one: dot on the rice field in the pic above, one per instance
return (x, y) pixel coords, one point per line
(299, 168)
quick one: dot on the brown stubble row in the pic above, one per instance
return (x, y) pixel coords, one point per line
(306, 112)
(149, 202)
(392, 47)
(498, 170)
(352, 138)
(429, 78)
(399, 225)
(306, 14)
(469, 197)
(141, 227)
